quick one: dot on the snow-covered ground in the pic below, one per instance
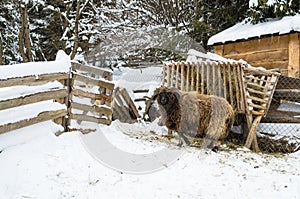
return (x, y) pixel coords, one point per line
(35, 163)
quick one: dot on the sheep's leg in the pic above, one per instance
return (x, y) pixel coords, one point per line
(214, 145)
(180, 142)
(183, 137)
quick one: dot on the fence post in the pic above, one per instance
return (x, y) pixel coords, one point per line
(68, 84)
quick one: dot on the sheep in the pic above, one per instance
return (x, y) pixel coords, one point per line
(193, 114)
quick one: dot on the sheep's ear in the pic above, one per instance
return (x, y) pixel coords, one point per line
(154, 96)
(156, 93)
(176, 92)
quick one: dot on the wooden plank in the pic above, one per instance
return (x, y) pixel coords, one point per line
(220, 81)
(164, 74)
(282, 65)
(250, 90)
(43, 116)
(255, 71)
(214, 81)
(261, 107)
(208, 82)
(123, 110)
(93, 81)
(129, 101)
(87, 118)
(258, 99)
(197, 76)
(168, 76)
(182, 76)
(32, 98)
(187, 84)
(252, 134)
(230, 83)
(202, 77)
(30, 80)
(272, 90)
(218, 49)
(223, 65)
(242, 90)
(237, 88)
(259, 44)
(141, 91)
(172, 74)
(193, 76)
(95, 109)
(92, 69)
(270, 55)
(294, 55)
(254, 85)
(81, 93)
(177, 74)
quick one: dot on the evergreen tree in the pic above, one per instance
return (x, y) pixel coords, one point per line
(265, 9)
(9, 29)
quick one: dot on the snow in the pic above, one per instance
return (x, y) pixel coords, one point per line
(117, 161)
(60, 65)
(19, 91)
(28, 111)
(244, 30)
(255, 2)
(196, 56)
(37, 164)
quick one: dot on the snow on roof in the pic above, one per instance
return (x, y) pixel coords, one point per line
(243, 30)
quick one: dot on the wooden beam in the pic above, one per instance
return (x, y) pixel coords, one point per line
(32, 98)
(81, 93)
(43, 116)
(92, 69)
(95, 109)
(294, 55)
(32, 79)
(87, 118)
(93, 81)
(129, 101)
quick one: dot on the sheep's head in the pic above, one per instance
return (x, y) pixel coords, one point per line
(165, 96)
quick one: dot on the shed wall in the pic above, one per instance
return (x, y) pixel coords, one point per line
(281, 51)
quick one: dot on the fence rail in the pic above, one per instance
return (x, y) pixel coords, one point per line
(43, 92)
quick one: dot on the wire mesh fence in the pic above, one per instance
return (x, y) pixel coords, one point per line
(279, 131)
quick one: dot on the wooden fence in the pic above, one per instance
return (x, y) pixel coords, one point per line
(248, 90)
(90, 94)
(35, 89)
(53, 96)
(208, 77)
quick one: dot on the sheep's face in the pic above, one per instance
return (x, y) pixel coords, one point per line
(163, 98)
(166, 96)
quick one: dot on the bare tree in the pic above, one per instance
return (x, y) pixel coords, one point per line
(24, 35)
(79, 10)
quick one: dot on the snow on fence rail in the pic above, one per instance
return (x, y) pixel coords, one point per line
(32, 92)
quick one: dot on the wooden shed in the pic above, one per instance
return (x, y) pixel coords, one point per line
(272, 44)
